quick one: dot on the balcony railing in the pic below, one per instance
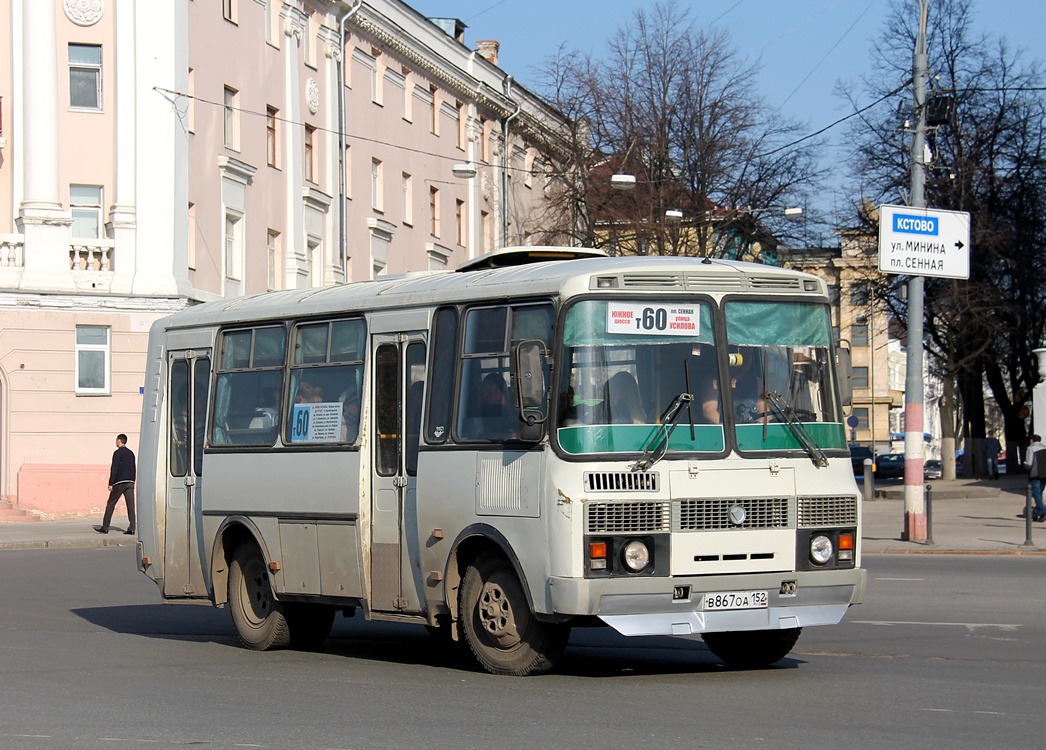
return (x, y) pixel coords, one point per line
(11, 251)
(91, 255)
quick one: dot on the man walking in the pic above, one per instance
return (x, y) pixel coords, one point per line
(1035, 460)
(121, 484)
(992, 449)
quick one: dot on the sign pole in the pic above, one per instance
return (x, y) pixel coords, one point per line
(914, 500)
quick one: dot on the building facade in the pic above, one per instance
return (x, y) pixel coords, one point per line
(153, 155)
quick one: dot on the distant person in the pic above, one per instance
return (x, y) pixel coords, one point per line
(121, 484)
(992, 449)
(1035, 461)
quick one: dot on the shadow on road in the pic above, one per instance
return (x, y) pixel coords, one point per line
(592, 652)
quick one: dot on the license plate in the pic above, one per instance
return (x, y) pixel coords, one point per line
(734, 600)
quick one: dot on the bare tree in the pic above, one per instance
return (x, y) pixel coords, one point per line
(987, 160)
(673, 105)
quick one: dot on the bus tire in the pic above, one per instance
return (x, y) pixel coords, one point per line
(501, 631)
(310, 624)
(256, 614)
(752, 649)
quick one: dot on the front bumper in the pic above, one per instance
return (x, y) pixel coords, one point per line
(649, 606)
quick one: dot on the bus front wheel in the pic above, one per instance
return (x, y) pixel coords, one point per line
(752, 649)
(256, 614)
(500, 629)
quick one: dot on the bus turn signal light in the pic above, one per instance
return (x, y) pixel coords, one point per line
(846, 541)
(597, 555)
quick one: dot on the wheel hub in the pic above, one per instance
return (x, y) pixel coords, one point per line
(496, 616)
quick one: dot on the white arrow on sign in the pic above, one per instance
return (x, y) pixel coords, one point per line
(924, 242)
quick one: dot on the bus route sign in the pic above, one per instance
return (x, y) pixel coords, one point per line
(924, 242)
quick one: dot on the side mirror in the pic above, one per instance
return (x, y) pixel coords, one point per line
(532, 389)
(844, 369)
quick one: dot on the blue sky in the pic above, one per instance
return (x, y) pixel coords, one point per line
(804, 47)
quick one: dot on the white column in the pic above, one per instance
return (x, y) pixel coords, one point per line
(162, 148)
(42, 220)
(297, 261)
(122, 211)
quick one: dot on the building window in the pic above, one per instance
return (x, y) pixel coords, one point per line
(461, 125)
(314, 252)
(190, 104)
(408, 199)
(232, 118)
(272, 243)
(376, 187)
(859, 335)
(408, 96)
(310, 154)
(434, 124)
(272, 22)
(434, 211)
(488, 228)
(85, 76)
(192, 236)
(860, 377)
(229, 10)
(233, 255)
(459, 217)
(859, 294)
(85, 205)
(311, 33)
(377, 78)
(93, 360)
(272, 144)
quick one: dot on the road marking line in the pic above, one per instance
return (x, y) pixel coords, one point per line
(900, 579)
(967, 625)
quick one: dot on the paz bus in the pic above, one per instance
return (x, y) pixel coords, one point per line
(541, 439)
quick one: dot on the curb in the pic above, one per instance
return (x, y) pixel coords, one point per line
(66, 544)
(1028, 551)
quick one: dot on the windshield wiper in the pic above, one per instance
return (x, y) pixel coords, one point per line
(656, 451)
(786, 413)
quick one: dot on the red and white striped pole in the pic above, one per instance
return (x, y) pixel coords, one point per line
(914, 500)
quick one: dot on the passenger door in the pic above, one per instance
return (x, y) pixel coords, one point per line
(183, 556)
(399, 370)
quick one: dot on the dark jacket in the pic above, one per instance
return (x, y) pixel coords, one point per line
(123, 466)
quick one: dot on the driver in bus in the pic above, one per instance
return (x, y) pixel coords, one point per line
(745, 390)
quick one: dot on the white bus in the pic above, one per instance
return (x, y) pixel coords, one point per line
(542, 439)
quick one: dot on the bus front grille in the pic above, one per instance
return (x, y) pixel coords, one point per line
(622, 481)
(827, 511)
(628, 518)
(713, 514)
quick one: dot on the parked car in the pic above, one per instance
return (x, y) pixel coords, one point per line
(858, 453)
(889, 466)
(932, 469)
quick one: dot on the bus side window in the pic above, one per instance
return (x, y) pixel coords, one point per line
(441, 376)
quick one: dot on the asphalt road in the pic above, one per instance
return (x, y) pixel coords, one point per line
(947, 652)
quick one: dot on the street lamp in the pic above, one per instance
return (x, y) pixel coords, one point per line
(623, 181)
(464, 170)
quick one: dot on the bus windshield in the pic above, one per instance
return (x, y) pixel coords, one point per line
(625, 362)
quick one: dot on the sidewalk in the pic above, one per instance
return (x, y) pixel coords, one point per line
(968, 516)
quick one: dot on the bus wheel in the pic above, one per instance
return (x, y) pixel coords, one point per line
(257, 615)
(752, 649)
(501, 630)
(310, 624)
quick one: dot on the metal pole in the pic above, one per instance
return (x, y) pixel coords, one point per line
(914, 502)
(1028, 513)
(929, 514)
(869, 480)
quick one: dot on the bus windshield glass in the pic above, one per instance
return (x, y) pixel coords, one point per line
(625, 362)
(781, 392)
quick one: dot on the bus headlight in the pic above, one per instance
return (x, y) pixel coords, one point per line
(821, 549)
(636, 556)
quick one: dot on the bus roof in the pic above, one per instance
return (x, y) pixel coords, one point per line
(573, 272)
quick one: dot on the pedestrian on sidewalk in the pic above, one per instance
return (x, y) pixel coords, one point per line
(1035, 461)
(992, 449)
(121, 484)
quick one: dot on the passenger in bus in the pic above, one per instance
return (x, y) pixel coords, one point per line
(497, 421)
(624, 404)
(746, 383)
(308, 394)
(350, 415)
(265, 412)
